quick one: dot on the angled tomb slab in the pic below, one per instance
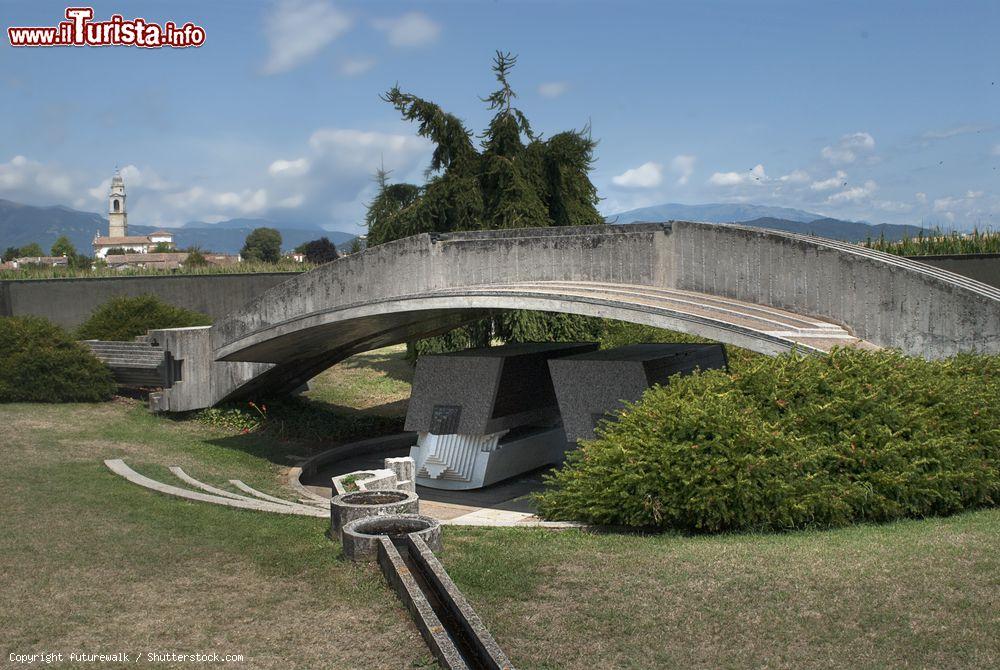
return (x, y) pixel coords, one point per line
(484, 415)
(591, 386)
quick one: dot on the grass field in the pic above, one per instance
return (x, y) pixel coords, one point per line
(93, 563)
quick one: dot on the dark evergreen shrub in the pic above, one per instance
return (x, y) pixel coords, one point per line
(39, 362)
(123, 318)
(793, 442)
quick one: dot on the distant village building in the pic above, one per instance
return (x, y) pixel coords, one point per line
(118, 237)
(46, 261)
(164, 261)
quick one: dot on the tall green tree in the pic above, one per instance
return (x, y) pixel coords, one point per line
(511, 178)
(319, 251)
(63, 247)
(262, 244)
(32, 250)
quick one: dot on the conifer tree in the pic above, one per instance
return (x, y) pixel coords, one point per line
(513, 179)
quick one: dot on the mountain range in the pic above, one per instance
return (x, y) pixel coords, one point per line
(775, 218)
(23, 224)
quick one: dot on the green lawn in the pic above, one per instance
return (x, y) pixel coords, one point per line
(93, 563)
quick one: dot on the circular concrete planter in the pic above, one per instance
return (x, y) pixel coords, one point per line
(359, 504)
(361, 537)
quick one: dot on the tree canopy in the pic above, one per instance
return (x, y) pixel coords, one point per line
(319, 251)
(63, 247)
(511, 177)
(32, 250)
(262, 244)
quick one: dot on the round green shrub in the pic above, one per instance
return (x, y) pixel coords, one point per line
(793, 442)
(41, 363)
(124, 318)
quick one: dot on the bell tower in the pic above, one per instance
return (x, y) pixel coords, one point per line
(117, 218)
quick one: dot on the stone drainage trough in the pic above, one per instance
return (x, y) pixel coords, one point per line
(403, 545)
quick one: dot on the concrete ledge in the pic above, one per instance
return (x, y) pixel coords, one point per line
(188, 479)
(259, 494)
(405, 586)
(458, 607)
(119, 467)
(361, 536)
(342, 452)
(349, 507)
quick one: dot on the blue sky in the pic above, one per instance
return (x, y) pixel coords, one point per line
(876, 111)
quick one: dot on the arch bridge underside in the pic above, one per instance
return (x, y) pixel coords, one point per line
(763, 290)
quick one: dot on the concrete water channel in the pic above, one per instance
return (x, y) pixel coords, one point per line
(402, 545)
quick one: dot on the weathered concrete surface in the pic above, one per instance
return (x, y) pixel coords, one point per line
(981, 267)
(202, 381)
(361, 537)
(591, 387)
(360, 504)
(483, 391)
(763, 290)
(69, 302)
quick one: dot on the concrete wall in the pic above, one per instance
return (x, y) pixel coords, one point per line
(203, 381)
(68, 302)
(885, 300)
(981, 267)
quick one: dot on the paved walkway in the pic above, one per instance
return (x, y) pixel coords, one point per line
(504, 504)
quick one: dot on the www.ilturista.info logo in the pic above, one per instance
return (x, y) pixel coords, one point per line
(80, 31)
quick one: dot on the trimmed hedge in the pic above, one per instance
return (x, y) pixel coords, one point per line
(39, 362)
(793, 442)
(124, 318)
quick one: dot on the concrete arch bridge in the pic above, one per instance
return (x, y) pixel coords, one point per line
(763, 290)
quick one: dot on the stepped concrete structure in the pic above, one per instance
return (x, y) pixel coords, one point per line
(141, 363)
(763, 290)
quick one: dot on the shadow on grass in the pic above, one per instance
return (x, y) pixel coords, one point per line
(393, 364)
(284, 430)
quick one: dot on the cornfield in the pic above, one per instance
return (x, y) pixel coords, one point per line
(940, 243)
(245, 267)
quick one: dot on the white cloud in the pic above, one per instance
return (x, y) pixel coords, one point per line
(292, 168)
(248, 201)
(352, 67)
(409, 30)
(683, 165)
(26, 180)
(837, 181)
(552, 89)
(291, 202)
(954, 131)
(365, 149)
(848, 148)
(854, 194)
(647, 175)
(894, 206)
(754, 176)
(921, 196)
(795, 177)
(297, 30)
(135, 179)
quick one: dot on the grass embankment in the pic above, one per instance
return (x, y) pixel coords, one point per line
(92, 562)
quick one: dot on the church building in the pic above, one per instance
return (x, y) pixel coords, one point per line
(118, 237)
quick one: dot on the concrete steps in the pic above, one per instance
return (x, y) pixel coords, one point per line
(136, 363)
